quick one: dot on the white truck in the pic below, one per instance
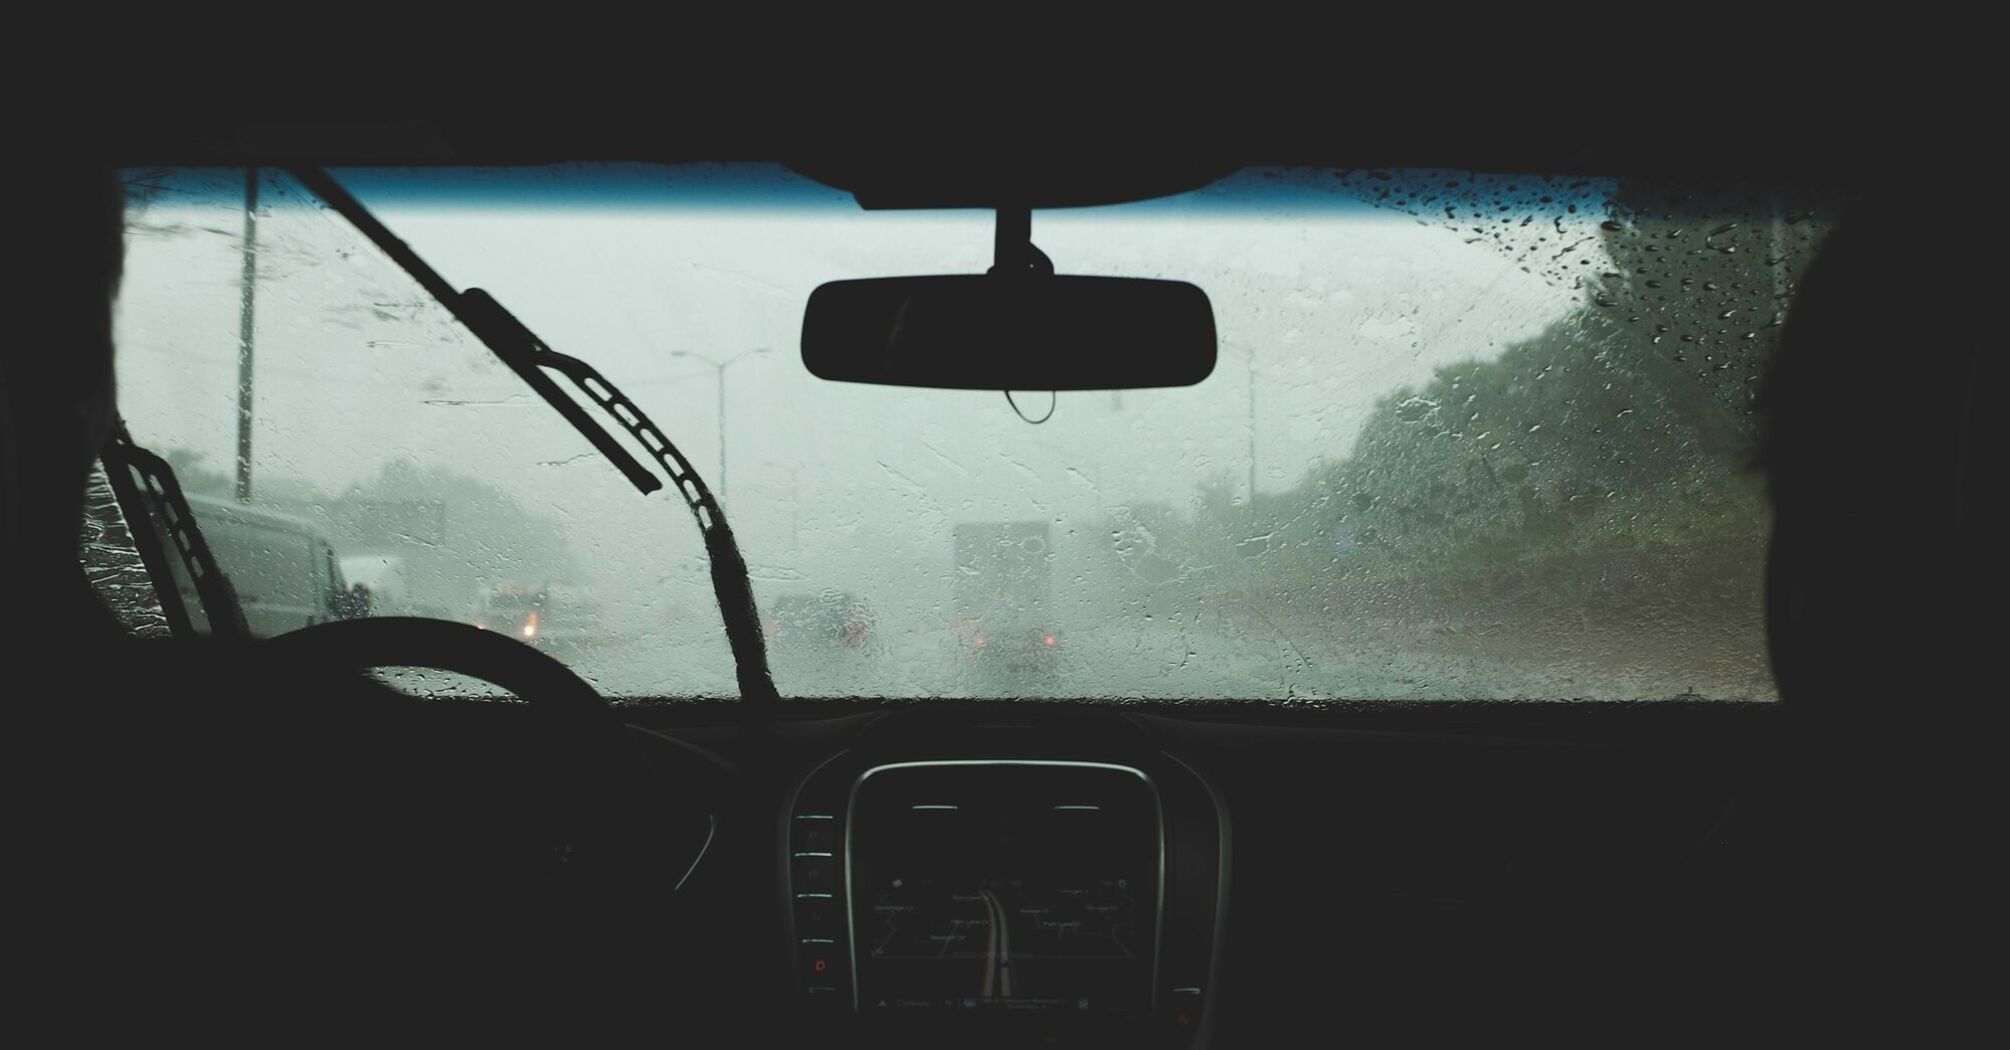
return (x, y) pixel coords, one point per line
(282, 567)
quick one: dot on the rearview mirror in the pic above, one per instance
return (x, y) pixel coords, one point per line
(1010, 332)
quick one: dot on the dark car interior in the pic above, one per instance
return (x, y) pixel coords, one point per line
(254, 839)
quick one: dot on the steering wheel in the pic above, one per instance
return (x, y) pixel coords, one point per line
(441, 645)
(559, 815)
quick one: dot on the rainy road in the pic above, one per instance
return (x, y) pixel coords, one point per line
(1262, 657)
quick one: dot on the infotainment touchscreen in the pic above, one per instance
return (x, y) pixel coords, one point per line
(1002, 886)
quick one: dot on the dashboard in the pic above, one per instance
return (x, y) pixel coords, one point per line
(1032, 875)
(990, 881)
(985, 875)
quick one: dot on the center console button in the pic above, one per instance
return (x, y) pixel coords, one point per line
(815, 874)
(819, 964)
(816, 917)
(815, 836)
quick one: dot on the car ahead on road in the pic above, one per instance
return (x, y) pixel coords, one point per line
(827, 621)
(1002, 585)
(1007, 650)
(550, 617)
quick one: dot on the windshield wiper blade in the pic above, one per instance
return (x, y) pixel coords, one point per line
(128, 467)
(505, 337)
(531, 358)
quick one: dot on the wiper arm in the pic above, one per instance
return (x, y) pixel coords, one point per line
(128, 467)
(530, 358)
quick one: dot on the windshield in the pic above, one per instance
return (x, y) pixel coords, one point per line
(1468, 437)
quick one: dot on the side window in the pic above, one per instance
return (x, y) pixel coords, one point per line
(112, 563)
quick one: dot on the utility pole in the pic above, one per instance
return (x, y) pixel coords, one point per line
(246, 303)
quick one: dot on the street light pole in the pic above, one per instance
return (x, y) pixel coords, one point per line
(719, 370)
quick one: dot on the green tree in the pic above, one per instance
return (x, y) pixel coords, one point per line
(1624, 426)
